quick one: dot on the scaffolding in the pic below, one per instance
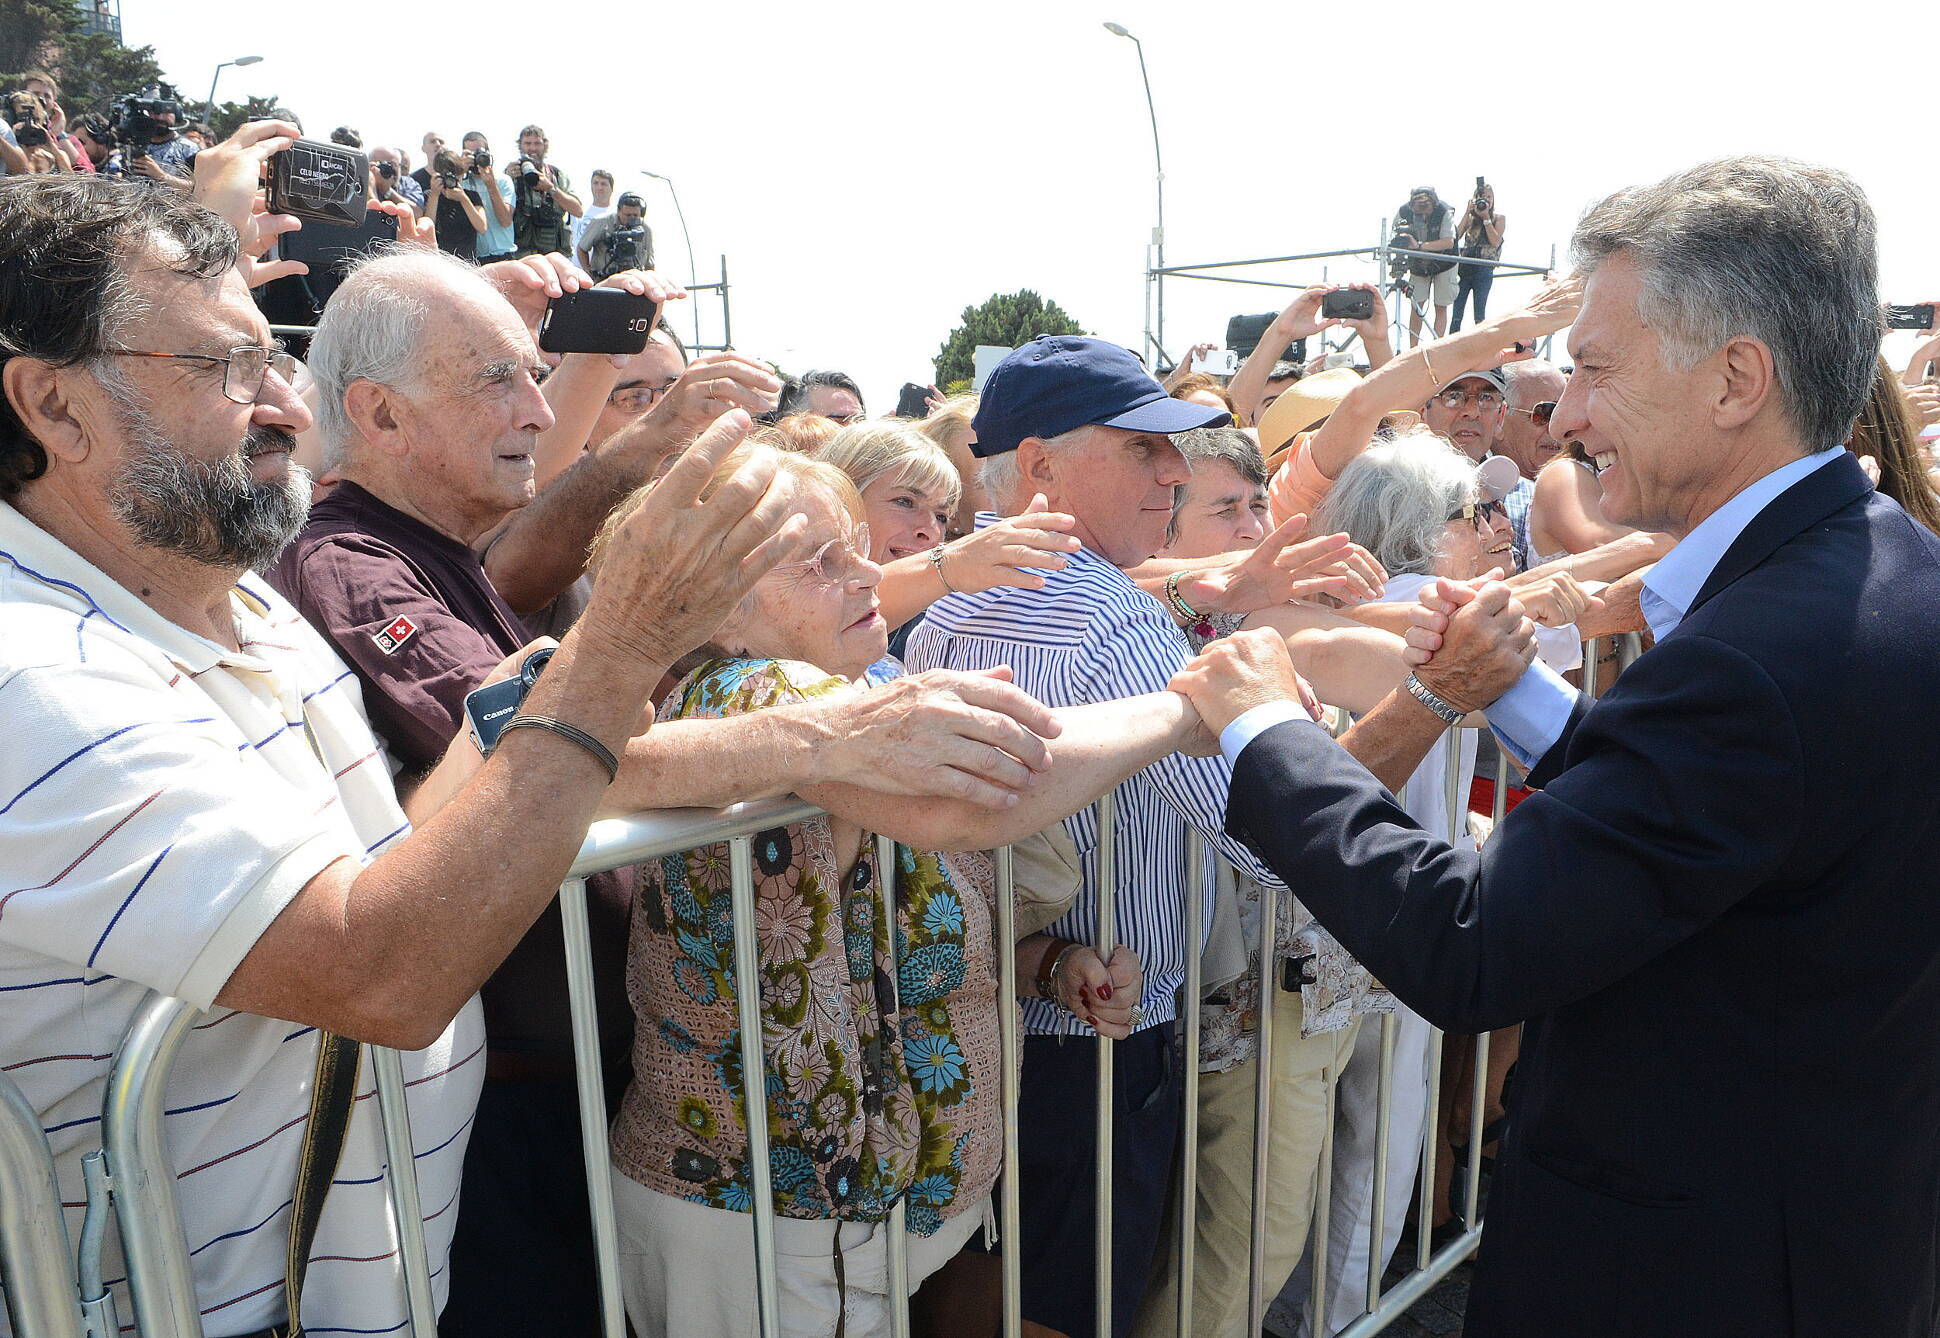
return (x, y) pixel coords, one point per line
(1389, 261)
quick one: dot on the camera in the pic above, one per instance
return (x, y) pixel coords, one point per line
(481, 160)
(322, 183)
(136, 117)
(1481, 202)
(628, 248)
(1352, 304)
(24, 109)
(388, 171)
(449, 180)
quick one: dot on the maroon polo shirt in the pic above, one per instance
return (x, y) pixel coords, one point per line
(413, 613)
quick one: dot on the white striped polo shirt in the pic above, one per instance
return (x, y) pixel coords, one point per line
(161, 799)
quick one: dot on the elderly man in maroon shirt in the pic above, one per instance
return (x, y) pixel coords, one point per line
(430, 411)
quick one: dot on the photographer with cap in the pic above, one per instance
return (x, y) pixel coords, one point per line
(618, 241)
(543, 204)
(1424, 223)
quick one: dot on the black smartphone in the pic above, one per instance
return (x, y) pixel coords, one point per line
(490, 709)
(339, 247)
(320, 183)
(1917, 317)
(598, 320)
(1352, 304)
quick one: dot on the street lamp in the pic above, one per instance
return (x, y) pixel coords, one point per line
(1154, 281)
(693, 274)
(209, 107)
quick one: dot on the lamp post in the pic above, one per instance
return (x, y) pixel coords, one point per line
(1154, 282)
(209, 107)
(693, 274)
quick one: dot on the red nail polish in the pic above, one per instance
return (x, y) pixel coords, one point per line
(1104, 992)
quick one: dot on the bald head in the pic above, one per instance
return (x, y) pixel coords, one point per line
(1525, 435)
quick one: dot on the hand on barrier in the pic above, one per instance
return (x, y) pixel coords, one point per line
(1236, 673)
(1470, 641)
(1012, 551)
(672, 571)
(1102, 995)
(942, 734)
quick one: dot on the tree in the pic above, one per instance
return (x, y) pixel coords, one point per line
(1005, 320)
(229, 117)
(30, 30)
(93, 68)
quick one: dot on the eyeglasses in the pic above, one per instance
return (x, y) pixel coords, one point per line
(1540, 413)
(1485, 400)
(835, 561)
(637, 399)
(243, 369)
(1479, 513)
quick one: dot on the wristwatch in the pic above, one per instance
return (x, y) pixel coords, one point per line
(1421, 693)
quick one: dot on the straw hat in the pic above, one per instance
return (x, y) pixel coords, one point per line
(1303, 404)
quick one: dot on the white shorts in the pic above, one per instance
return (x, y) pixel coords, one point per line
(686, 1268)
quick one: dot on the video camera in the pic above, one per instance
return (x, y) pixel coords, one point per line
(628, 248)
(136, 114)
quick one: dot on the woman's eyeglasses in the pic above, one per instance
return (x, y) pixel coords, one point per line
(835, 561)
(1479, 513)
(243, 370)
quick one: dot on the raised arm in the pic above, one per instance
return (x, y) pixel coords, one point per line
(1300, 319)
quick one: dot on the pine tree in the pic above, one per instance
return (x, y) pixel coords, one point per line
(1005, 320)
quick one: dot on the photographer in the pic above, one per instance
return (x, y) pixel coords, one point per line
(542, 201)
(621, 240)
(390, 181)
(459, 216)
(1424, 223)
(151, 146)
(1480, 237)
(497, 242)
(27, 119)
(97, 138)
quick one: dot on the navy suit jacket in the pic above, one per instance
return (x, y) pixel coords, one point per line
(1720, 918)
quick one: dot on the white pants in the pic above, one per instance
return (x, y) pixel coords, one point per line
(1350, 1219)
(687, 1269)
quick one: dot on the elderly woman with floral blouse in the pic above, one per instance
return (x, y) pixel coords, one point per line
(879, 999)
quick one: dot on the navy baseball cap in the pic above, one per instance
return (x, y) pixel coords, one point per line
(1058, 383)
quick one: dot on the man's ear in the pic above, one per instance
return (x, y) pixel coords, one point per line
(372, 410)
(1747, 381)
(1037, 467)
(37, 394)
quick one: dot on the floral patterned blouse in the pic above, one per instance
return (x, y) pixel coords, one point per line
(883, 1071)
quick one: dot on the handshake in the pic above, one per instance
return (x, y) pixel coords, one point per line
(1468, 642)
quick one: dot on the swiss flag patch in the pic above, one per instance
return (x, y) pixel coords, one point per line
(396, 632)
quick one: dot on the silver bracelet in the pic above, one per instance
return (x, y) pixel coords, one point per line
(936, 560)
(1421, 693)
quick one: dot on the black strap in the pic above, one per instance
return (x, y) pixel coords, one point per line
(333, 1092)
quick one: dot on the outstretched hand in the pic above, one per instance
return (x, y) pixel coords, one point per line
(1284, 568)
(1237, 673)
(1469, 641)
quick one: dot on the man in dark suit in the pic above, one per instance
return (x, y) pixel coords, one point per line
(1717, 914)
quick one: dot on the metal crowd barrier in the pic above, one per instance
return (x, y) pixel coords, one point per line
(133, 1171)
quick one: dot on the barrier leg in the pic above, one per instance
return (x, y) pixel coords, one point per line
(160, 1284)
(1009, 1216)
(1323, 1204)
(1591, 649)
(1477, 1109)
(754, 1080)
(1262, 1110)
(41, 1297)
(897, 1246)
(401, 1188)
(1193, 912)
(1378, 1204)
(589, 1070)
(1107, 941)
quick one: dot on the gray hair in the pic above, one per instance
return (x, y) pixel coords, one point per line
(1001, 478)
(1520, 377)
(1394, 499)
(373, 330)
(1230, 445)
(1780, 251)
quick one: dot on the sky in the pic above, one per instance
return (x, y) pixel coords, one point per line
(869, 170)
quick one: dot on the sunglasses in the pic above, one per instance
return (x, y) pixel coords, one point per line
(1479, 513)
(1540, 413)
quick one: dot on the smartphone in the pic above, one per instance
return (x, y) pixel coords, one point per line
(320, 183)
(598, 320)
(1218, 362)
(490, 709)
(1919, 317)
(1353, 304)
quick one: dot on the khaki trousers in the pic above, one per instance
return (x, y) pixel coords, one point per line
(1221, 1270)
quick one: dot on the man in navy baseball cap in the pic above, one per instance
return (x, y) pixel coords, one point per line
(1081, 421)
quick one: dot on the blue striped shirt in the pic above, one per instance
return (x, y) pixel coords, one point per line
(1091, 635)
